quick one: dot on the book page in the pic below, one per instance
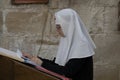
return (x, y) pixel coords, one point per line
(17, 56)
(11, 54)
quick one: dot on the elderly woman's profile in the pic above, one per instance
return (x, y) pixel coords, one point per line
(76, 48)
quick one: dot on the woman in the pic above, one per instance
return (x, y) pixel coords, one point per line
(76, 48)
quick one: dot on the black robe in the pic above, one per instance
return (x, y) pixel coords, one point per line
(76, 69)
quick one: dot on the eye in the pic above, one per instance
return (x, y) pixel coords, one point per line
(58, 27)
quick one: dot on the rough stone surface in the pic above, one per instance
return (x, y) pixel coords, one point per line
(31, 28)
(107, 48)
(1, 21)
(26, 22)
(110, 72)
(111, 20)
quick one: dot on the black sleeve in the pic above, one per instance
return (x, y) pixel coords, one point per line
(50, 65)
(69, 70)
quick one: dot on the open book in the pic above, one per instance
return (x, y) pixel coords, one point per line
(19, 57)
(16, 56)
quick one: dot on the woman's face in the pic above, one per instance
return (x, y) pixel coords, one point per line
(59, 30)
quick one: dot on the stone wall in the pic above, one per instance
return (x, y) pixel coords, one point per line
(31, 28)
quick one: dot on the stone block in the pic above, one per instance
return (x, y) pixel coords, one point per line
(119, 71)
(80, 2)
(1, 21)
(63, 4)
(5, 41)
(59, 4)
(1, 4)
(107, 2)
(30, 22)
(106, 72)
(93, 3)
(108, 49)
(93, 18)
(96, 21)
(54, 4)
(6, 4)
(111, 19)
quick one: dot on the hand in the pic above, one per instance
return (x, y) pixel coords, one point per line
(27, 55)
(36, 60)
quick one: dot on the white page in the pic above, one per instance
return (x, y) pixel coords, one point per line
(19, 53)
(11, 54)
(8, 52)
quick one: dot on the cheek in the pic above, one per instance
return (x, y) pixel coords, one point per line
(59, 31)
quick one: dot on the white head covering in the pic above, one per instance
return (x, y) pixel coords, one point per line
(77, 43)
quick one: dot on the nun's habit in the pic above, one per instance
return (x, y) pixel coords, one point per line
(75, 51)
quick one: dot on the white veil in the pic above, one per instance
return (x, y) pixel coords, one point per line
(77, 43)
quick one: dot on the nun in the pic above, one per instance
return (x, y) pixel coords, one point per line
(74, 58)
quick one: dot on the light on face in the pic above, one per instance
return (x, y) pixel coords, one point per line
(59, 30)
